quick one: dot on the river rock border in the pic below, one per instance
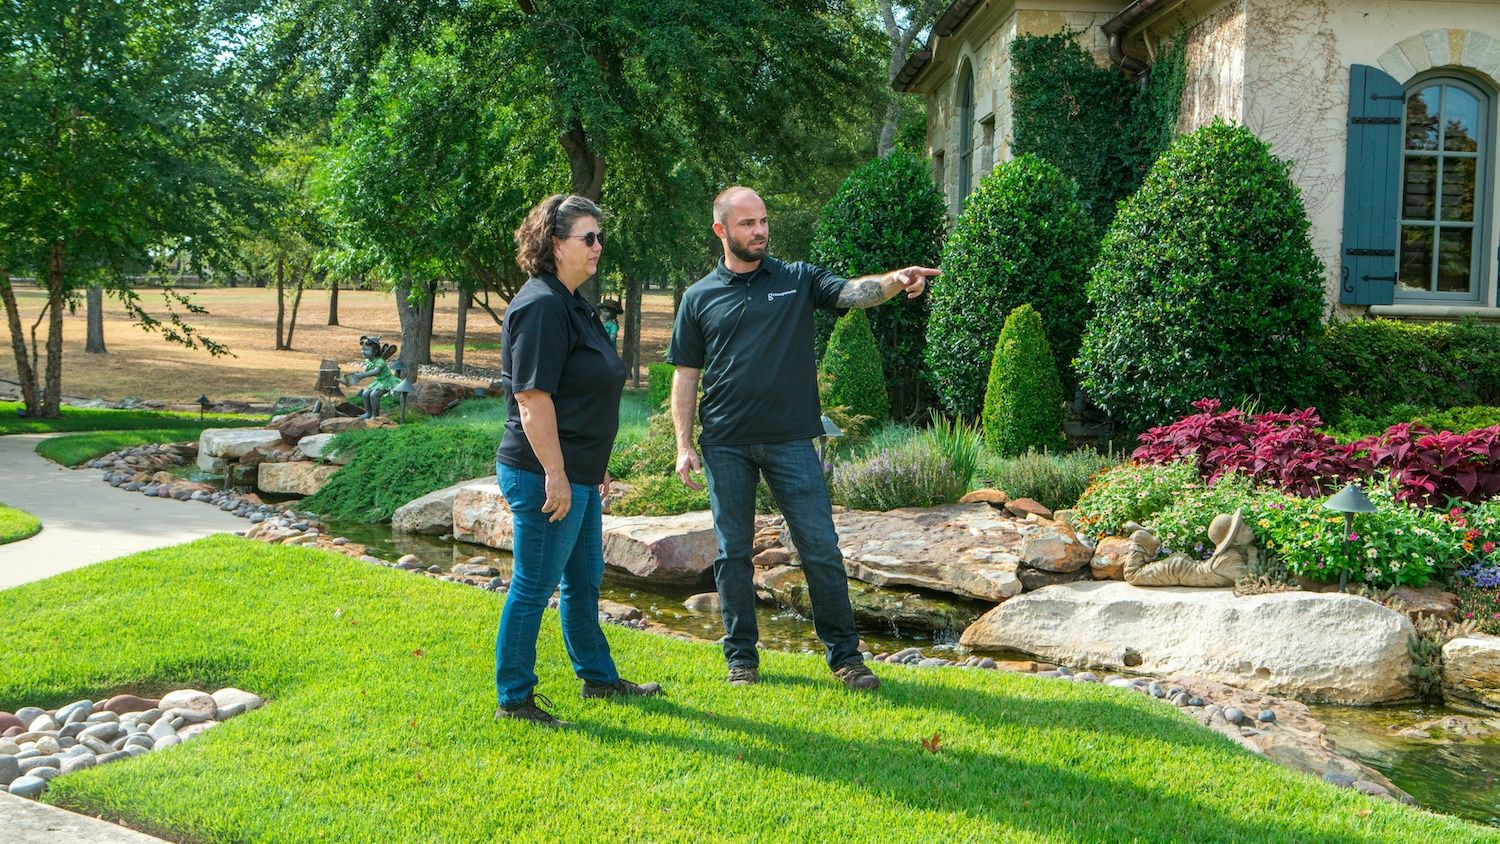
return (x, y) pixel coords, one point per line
(40, 744)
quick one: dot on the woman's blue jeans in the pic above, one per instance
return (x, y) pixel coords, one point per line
(548, 554)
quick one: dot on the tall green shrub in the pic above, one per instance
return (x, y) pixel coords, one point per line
(887, 214)
(1023, 238)
(1023, 405)
(852, 367)
(1206, 285)
(659, 384)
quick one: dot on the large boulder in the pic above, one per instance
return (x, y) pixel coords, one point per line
(666, 549)
(969, 550)
(1333, 647)
(908, 612)
(481, 516)
(1471, 669)
(315, 447)
(219, 446)
(434, 397)
(295, 427)
(299, 478)
(433, 512)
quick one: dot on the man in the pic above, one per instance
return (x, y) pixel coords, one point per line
(747, 329)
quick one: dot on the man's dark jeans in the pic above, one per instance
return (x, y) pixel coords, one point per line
(795, 476)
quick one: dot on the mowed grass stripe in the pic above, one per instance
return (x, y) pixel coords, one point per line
(379, 728)
(17, 524)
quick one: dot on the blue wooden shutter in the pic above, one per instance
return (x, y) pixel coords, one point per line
(1372, 187)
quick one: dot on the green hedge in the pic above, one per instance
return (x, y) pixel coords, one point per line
(393, 466)
(659, 383)
(1023, 238)
(887, 214)
(1206, 286)
(1374, 365)
(852, 366)
(1023, 405)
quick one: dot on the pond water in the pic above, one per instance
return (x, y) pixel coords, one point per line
(1460, 778)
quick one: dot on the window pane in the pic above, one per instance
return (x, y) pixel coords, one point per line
(1458, 188)
(1455, 259)
(1416, 258)
(1460, 121)
(1421, 118)
(1417, 193)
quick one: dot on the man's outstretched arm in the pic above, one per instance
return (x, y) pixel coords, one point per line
(872, 290)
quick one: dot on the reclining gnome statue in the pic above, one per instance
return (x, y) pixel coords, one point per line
(1234, 553)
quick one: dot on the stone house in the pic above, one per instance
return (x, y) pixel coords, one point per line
(1387, 110)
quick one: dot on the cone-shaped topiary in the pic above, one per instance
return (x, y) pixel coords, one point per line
(1023, 406)
(1206, 286)
(1023, 238)
(887, 214)
(852, 366)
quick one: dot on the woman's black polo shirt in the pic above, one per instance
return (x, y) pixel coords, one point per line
(551, 340)
(752, 336)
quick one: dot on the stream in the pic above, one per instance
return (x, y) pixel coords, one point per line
(1460, 777)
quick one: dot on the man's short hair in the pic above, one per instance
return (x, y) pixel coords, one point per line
(726, 198)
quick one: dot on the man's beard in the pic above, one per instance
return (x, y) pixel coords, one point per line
(746, 252)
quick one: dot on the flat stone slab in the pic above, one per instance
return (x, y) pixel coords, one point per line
(217, 446)
(29, 822)
(665, 549)
(969, 550)
(1333, 647)
(300, 478)
(433, 512)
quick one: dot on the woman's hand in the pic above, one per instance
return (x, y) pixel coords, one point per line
(559, 497)
(604, 487)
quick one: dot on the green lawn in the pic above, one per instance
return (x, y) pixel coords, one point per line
(101, 419)
(78, 448)
(16, 525)
(379, 729)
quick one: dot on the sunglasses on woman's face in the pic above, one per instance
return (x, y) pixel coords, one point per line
(588, 238)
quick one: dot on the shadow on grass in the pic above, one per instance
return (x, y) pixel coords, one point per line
(965, 780)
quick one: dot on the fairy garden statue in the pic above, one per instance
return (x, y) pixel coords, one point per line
(376, 367)
(1233, 556)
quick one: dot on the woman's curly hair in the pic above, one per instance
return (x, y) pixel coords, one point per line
(552, 218)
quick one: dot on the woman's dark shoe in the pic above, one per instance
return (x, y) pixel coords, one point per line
(529, 710)
(619, 688)
(858, 677)
(743, 675)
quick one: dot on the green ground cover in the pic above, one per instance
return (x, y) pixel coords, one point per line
(16, 525)
(379, 728)
(79, 448)
(103, 419)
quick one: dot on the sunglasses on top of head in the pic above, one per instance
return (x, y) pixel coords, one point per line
(588, 238)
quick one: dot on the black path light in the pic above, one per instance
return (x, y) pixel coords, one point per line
(203, 405)
(1349, 501)
(403, 390)
(830, 431)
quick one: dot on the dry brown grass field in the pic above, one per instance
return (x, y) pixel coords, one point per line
(143, 365)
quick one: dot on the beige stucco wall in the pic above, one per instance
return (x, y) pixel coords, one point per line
(1214, 81)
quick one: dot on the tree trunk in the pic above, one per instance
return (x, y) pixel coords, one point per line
(298, 283)
(416, 327)
(426, 313)
(586, 167)
(333, 302)
(632, 330)
(280, 301)
(463, 325)
(24, 373)
(94, 344)
(52, 390)
(888, 127)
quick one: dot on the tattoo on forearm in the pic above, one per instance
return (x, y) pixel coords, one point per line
(863, 293)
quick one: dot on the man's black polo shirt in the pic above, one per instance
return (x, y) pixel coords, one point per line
(551, 340)
(752, 336)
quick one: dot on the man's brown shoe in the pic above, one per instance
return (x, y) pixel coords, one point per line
(619, 688)
(858, 677)
(743, 675)
(529, 710)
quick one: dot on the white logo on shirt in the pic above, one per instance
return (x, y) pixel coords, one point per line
(771, 297)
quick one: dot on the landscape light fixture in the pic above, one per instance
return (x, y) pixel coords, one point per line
(403, 390)
(1349, 501)
(830, 431)
(203, 404)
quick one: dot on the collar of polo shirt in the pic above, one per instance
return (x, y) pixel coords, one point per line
(730, 277)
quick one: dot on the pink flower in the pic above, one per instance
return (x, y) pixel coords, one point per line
(1488, 547)
(1353, 537)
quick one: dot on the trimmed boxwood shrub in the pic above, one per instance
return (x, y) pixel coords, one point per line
(1374, 365)
(392, 466)
(888, 214)
(1206, 285)
(852, 367)
(1023, 238)
(1023, 405)
(659, 384)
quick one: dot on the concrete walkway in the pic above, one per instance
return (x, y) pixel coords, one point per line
(85, 520)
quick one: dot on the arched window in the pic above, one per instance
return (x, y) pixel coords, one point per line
(965, 132)
(1445, 160)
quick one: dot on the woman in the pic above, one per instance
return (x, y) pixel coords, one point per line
(564, 381)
